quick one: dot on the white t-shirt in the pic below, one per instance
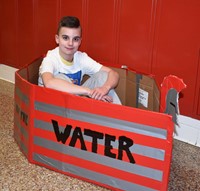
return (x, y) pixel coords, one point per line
(82, 64)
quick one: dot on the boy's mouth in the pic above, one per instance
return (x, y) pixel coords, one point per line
(69, 49)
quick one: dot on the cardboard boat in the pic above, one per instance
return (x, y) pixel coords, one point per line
(121, 147)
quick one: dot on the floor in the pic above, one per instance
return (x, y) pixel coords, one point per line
(17, 174)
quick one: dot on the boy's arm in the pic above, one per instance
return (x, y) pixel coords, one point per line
(62, 85)
(111, 83)
(113, 78)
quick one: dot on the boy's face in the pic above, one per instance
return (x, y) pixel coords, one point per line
(69, 40)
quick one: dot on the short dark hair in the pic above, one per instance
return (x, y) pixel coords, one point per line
(68, 21)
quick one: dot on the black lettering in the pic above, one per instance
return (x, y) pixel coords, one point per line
(59, 135)
(108, 146)
(124, 144)
(24, 117)
(77, 134)
(95, 136)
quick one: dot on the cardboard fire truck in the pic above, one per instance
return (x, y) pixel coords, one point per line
(120, 147)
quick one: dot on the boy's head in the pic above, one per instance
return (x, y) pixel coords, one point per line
(68, 37)
(68, 21)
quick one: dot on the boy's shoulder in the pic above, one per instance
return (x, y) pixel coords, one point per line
(80, 54)
(53, 51)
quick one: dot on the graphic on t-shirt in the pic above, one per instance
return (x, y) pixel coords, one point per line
(75, 78)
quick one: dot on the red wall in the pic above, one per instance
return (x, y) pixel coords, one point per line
(161, 37)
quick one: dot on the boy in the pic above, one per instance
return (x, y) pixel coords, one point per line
(64, 67)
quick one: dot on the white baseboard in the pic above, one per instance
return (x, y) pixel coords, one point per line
(7, 73)
(188, 130)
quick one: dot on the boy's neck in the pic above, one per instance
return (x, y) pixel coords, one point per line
(66, 62)
(66, 58)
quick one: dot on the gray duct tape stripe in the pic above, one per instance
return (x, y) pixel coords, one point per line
(138, 78)
(172, 104)
(22, 130)
(151, 152)
(102, 120)
(21, 144)
(22, 96)
(100, 159)
(81, 172)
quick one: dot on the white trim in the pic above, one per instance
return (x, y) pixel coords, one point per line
(188, 130)
(7, 73)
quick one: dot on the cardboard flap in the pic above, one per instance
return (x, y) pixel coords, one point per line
(33, 71)
(138, 90)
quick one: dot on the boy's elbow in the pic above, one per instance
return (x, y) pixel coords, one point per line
(117, 76)
(47, 80)
(48, 83)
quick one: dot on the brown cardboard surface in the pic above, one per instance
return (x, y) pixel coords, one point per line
(23, 73)
(138, 90)
(33, 71)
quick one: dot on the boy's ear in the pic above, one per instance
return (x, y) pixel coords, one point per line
(56, 39)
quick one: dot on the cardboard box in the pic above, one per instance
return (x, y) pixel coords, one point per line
(126, 147)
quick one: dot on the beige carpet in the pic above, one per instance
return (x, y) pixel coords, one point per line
(16, 174)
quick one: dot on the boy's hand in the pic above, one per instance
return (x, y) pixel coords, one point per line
(100, 94)
(107, 98)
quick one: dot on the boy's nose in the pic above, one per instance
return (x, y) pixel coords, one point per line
(70, 42)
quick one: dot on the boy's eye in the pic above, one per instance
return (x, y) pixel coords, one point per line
(76, 39)
(65, 37)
